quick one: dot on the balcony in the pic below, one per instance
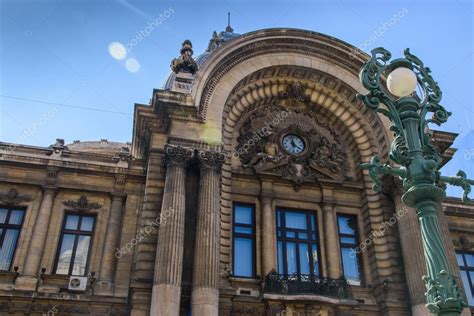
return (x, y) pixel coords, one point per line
(304, 284)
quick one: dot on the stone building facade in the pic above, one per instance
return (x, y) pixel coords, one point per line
(240, 194)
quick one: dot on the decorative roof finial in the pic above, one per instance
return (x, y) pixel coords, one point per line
(185, 62)
(229, 28)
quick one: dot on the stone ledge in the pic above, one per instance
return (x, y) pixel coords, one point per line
(311, 298)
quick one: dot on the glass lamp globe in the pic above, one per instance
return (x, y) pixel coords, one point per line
(401, 82)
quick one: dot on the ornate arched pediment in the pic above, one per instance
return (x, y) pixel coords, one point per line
(261, 143)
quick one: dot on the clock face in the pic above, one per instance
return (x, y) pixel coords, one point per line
(293, 144)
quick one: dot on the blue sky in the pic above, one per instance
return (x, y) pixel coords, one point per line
(56, 66)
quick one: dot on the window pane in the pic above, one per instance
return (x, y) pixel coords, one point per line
(3, 215)
(65, 254)
(313, 227)
(16, 217)
(8, 248)
(80, 260)
(72, 221)
(280, 258)
(469, 260)
(291, 257)
(243, 214)
(350, 264)
(243, 230)
(315, 260)
(304, 259)
(243, 257)
(348, 240)
(346, 225)
(302, 235)
(460, 259)
(296, 220)
(467, 288)
(87, 223)
(290, 234)
(278, 219)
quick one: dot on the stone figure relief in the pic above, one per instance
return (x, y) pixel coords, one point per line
(259, 144)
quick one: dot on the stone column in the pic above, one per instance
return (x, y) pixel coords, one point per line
(331, 237)
(269, 256)
(205, 292)
(106, 276)
(31, 269)
(331, 242)
(412, 249)
(169, 251)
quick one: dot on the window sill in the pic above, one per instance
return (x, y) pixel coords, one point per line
(313, 298)
(245, 280)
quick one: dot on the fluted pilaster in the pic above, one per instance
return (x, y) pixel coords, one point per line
(205, 294)
(107, 268)
(333, 258)
(269, 257)
(38, 238)
(169, 252)
(40, 231)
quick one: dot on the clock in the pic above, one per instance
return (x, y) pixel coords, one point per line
(293, 144)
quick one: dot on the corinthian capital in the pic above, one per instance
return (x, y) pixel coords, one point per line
(177, 155)
(211, 159)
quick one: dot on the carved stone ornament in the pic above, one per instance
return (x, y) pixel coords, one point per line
(295, 93)
(177, 155)
(463, 243)
(259, 145)
(122, 155)
(211, 159)
(185, 62)
(12, 197)
(82, 204)
(58, 148)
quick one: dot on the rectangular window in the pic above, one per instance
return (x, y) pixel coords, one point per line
(466, 267)
(11, 220)
(75, 244)
(348, 240)
(244, 240)
(298, 251)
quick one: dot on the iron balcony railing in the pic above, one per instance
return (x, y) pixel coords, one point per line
(306, 284)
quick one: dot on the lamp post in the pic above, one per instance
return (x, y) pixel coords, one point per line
(404, 91)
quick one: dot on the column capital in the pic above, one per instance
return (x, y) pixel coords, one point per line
(49, 189)
(266, 199)
(328, 206)
(117, 196)
(177, 155)
(211, 159)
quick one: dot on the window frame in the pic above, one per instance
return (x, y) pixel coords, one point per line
(7, 226)
(251, 236)
(76, 233)
(350, 246)
(467, 269)
(297, 241)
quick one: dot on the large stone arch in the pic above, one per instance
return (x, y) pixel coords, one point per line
(231, 80)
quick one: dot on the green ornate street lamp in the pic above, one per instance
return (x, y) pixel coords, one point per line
(404, 91)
